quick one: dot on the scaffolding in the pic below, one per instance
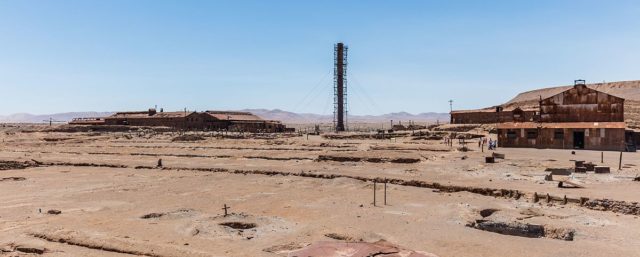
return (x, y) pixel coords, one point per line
(340, 110)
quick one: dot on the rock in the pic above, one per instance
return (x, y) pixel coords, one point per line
(489, 159)
(602, 169)
(28, 249)
(54, 212)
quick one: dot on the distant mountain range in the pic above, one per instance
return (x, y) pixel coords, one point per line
(276, 114)
(44, 118)
(291, 117)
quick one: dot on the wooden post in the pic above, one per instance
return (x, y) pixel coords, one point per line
(374, 193)
(620, 162)
(385, 191)
(601, 157)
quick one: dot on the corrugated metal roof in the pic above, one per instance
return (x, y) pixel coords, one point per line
(519, 125)
(474, 111)
(141, 115)
(493, 109)
(229, 115)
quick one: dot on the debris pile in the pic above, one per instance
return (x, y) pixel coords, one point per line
(523, 230)
(345, 158)
(623, 207)
(352, 249)
(14, 165)
(187, 138)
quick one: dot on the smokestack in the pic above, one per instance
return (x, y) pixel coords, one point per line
(340, 86)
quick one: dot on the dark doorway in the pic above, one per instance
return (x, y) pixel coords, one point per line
(578, 140)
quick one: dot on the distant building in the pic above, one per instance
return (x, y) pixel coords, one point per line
(208, 120)
(240, 121)
(87, 121)
(495, 114)
(577, 118)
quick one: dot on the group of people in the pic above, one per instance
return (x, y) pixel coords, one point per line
(493, 144)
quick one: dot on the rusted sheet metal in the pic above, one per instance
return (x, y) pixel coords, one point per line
(226, 115)
(582, 104)
(483, 117)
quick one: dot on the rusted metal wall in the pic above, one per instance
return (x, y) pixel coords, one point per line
(197, 121)
(262, 126)
(192, 121)
(491, 117)
(582, 104)
(594, 138)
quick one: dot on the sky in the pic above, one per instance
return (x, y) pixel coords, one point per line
(413, 56)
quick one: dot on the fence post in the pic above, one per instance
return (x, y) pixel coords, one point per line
(374, 193)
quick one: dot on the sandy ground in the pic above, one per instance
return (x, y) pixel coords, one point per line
(177, 211)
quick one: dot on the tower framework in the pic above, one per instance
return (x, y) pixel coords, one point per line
(340, 87)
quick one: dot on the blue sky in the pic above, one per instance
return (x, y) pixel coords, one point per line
(58, 56)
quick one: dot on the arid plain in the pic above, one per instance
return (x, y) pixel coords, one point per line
(108, 196)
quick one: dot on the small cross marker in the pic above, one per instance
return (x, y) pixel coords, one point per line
(225, 210)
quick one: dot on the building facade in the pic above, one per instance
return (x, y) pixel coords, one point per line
(578, 118)
(608, 136)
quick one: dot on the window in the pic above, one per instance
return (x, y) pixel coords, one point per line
(532, 134)
(511, 134)
(558, 134)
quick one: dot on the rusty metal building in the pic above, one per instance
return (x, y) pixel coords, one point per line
(240, 122)
(563, 135)
(152, 118)
(209, 120)
(577, 118)
(495, 114)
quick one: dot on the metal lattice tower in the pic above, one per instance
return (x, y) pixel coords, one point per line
(340, 87)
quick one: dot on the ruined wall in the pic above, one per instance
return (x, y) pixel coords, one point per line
(582, 104)
(609, 139)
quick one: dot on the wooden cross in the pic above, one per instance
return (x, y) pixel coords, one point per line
(225, 210)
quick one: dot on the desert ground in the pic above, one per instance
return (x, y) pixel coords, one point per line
(104, 194)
